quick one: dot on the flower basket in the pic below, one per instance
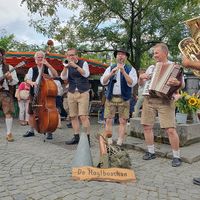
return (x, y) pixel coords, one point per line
(187, 104)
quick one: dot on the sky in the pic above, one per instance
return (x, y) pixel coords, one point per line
(15, 20)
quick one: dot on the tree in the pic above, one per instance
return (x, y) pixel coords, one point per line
(6, 40)
(108, 24)
(9, 43)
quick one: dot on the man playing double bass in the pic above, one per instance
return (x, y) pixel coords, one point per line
(32, 78)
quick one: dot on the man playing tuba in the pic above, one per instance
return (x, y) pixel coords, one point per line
(194, 25)
(191, 64)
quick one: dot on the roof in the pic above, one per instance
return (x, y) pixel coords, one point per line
(56, 60)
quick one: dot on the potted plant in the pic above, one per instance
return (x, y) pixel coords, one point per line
(186, 104)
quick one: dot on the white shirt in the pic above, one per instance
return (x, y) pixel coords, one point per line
(117, 85)
(59, 87)
(29, 75)
(14, 81)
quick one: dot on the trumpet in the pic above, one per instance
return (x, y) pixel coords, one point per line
(65, 62)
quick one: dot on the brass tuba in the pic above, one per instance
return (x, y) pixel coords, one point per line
(190, 46)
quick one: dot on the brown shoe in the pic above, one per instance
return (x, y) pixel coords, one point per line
(23, 123)
(10, 138)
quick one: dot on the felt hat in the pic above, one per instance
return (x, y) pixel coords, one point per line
(121, 50)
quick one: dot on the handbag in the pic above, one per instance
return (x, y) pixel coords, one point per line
(24, 94)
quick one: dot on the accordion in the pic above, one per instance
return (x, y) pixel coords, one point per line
(157, 86)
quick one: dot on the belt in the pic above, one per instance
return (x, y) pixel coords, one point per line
(117, 96)
(3, 90)
(153, 97)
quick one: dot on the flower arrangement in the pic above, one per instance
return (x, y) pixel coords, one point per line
(186, 103)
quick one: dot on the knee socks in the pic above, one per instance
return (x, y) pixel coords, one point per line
(151, 148)
(9, 122)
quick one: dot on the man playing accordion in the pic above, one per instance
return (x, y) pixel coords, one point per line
(163, 106)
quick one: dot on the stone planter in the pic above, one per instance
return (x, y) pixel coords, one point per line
(181, 118)
(192, 118)
(188, 133)
(195, 118)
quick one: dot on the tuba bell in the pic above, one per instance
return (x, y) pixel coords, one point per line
(190, 46)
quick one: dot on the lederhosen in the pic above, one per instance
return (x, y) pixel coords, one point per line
(6, 96)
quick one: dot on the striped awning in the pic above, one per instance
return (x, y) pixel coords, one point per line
(56, 60)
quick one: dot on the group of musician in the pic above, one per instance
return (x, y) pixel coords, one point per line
(119, 80)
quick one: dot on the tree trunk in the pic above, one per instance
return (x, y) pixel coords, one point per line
(137, 59)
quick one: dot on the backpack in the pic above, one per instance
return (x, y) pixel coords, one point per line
(116, 156)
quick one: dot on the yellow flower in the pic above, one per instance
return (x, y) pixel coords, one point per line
(187, 96)
(193, 101)
(187, 103)
(198, 103)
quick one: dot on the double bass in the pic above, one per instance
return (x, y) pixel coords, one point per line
(44, 105)
(45, 114)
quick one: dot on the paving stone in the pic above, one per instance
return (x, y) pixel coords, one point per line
(19, 197)
(7, 198)
(42, 171)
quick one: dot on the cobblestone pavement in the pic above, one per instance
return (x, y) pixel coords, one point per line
(31, 169)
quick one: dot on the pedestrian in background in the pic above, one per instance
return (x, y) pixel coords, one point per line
(23, 97)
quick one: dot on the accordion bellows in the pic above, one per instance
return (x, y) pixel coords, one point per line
(162, 73)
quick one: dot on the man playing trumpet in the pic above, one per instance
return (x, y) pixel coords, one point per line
(76, 72)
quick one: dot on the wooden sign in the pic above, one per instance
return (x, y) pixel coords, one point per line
(100, 174)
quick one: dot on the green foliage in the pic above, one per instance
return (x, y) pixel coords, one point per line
(8, 42)
(108, 24)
